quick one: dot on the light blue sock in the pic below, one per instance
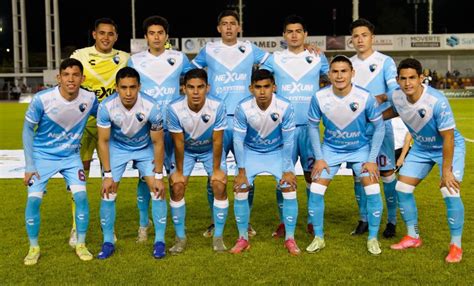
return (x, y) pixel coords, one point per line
(107, 218)
(143, 202)
(279, 197)
(210, 196)
(242, 213)
(159, 210)
(374, 211)
(389, 184)
(316, 208)
(178, 214)
(82, 215)
(308, 191)
(251, 194)
(408, 210)
(290, 213)
(32, 219)
(361, 199)
(221, 209)
(455, 214)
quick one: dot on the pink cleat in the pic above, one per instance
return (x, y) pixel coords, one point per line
(241, 245)
(293, 249)
(407, 242)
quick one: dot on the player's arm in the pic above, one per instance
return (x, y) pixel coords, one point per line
(379, 133)
(288, 134)
(405, 148)
(314, 115)
(28, 134)
(157, 139)
(178, 142)
(103, 142)
(239, 133)
(447, 177)
(217, 146)
(389, 113)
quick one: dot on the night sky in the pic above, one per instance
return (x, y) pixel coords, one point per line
(260, 18)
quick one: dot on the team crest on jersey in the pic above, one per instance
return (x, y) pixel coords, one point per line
(205, 118)
(372, 67)
(422, 112)
(171, 61)
(140, 116)
(309, 59)
(275, 116)
(116, 59)
(82, 107)
(354, 106)
(242, 49)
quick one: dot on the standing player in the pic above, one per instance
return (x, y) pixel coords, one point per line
(101, 62)
(60, 114)
(197, 123)
(346, 110)
(229, 65)
(130, 128)
(297, 73)
(377, 73)
(428, 116)
(160, 70)
(263, 142)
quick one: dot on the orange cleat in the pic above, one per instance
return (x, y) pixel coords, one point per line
(454, 255)
(407, 242)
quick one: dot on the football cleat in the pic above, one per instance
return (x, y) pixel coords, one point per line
(107, 250)
(73, 238)
(179, 246)
(407, 242)
(454, 255)
(310, 229)
(280, 231)
(218, 244)
(373, 246)
(292, 247)
(159, 250)
(251, 232)
(143, 232)
(241, 245)
(362, 227)
(316, 245)
(209, 232)
(390, 230)
(83, 253)
(32, 256)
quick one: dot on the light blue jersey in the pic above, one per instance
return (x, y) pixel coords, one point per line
(426, 118)
(130, 129)
(159, 75)
(229, 69)
(60, 122)
(297, 78)
(198, 127)
(345, 118)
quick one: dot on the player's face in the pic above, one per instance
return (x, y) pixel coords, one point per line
(263, 91)
(196, 90)
(70, 80)
(295, 36)
(156, 37)
(410, 82)
(105, 37)
(229, 28)
(362, 39)
(340, 75)
(128, 88)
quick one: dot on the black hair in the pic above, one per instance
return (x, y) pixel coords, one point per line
(155, 20)
(226, 13)
(195, 73)
(262, 74)
(341, 58)
(105, 21)
(361, 22)
(294, 19)
(127, 72)
(70, 62)
(410, 63)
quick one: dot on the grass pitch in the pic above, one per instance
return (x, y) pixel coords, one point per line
(345, 259)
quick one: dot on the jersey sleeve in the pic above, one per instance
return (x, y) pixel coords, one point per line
(35, 110)
(443, 115)
(95, 107)
(314, 112)
(240, 120)
(156, 118)
(221, 118)
(103, 117)
(324, 64)
(268, 64)
(200, 60)
(390, 74)
(186, 64)
(371, 110)
(288, 120)
(172, 121)
(260, 56)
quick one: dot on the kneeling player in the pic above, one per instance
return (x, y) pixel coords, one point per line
(263, 142)
(197, 125)
(130, 128)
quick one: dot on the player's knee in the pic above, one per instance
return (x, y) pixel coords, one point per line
(402, 187)
(219, 190)
(241, 196)
(177, 191)
(388, 177)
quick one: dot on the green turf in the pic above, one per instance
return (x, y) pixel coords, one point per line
(344, 260)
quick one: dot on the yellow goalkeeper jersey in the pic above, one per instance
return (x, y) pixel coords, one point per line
(100, 69)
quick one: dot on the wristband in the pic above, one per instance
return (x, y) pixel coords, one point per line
(107, 174)
(158, 176)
